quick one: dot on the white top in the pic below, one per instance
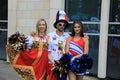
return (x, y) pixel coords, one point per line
(53, 44)
(30, 41)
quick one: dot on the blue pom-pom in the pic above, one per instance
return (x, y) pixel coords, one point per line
(79, 65)
(65, 59)
(86, 62)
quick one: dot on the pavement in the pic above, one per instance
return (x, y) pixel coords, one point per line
(8, 73)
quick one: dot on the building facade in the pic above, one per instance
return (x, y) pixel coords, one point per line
(101, 19)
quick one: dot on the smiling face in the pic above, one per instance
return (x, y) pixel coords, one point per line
(77, 28)
(41, 26)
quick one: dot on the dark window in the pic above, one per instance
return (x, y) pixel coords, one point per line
(113, 56)
(3, 27)
(85, 10)
(3, 9)
(114, 11)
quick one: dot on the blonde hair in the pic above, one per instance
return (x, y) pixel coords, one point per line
(37, 24)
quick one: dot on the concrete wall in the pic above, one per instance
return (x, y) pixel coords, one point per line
(23, 14)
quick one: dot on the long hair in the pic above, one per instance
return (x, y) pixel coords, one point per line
(37, 24)
(81, 30)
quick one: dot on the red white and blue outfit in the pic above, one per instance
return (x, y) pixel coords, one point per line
(77, 48)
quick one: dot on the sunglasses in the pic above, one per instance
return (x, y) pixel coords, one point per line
(62, 25)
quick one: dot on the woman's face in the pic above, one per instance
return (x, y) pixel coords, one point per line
(77, 28)
(42, 26)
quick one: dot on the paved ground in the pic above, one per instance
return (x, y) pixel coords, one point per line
(7, 73)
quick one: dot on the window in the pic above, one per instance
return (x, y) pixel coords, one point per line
(114, 11)
(3, 10)
(114, 41)
(83, 10)
(3, 27)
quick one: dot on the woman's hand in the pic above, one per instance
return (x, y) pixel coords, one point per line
(27, 50)
(73, 58)
(33, 33)
(78, 56)
(56, 62)
(53, 67)
(86, 36)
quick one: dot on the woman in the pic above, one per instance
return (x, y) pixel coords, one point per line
(31, 64)
(77, 45)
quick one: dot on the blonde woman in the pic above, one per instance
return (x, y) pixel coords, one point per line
(31, 64)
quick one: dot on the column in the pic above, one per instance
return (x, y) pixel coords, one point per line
(12, 12)
(102, 62)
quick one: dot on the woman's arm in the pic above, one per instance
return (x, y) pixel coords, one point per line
(67, 45)
(86, 47)
(50, 57)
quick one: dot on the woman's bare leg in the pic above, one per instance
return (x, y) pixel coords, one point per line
(80, 77)
(71, 76)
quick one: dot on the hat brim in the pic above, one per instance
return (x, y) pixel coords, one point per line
(66, 22)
